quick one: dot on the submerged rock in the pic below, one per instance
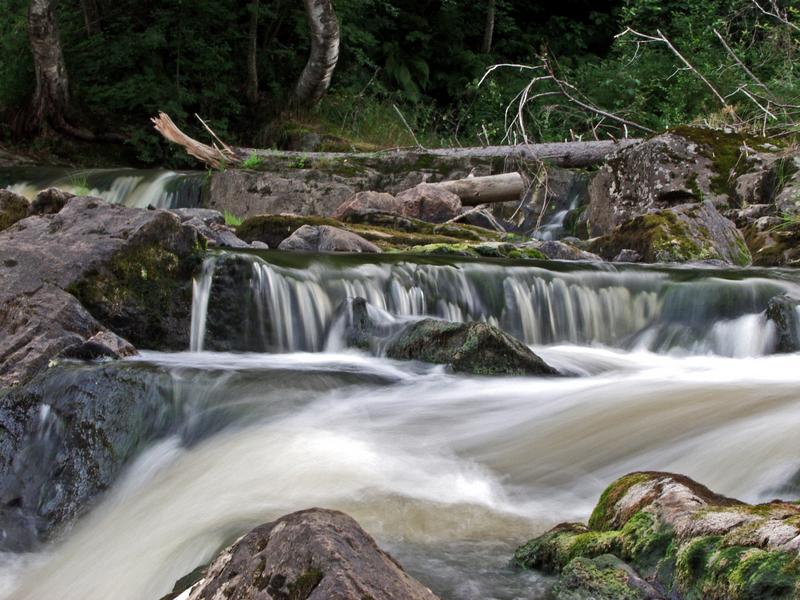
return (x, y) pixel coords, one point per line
(477, 348)
(682, 538)
(66, 436)
(324, 238)
(313, 554)
(686, 233)
(784, 311)
(13, 207)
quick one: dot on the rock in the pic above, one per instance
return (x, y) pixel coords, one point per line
(104, 344)
(13, 207)
(324, 238)
(477, 348)
(429, 203)
(313, 554)
(627, 255)
(784, 311)
(206, 215)
(273, 229)
(690, 232)
(744, 216)
(603, 578)
(67, 434)
(216, 235)
(130, 269)
(774, 242)
(259, 245)
(560, 250)
(49, 201)
(682, 538)
(358, 205)
(680, 166)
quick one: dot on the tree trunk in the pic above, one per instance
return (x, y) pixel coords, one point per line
(51, 98)
(488, 31)
(91, 16)
(316, 76)
(252, 55)
(474, 191)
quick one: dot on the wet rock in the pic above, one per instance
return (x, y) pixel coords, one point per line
(560, 250)
(774, 242)
(273, 229)
(429, 203)
(784, 311)
(13, 207)
(66, 436)
(690, 232)
(49, 201)
(683, 539)
(324, 238)
(477, 348)
(130, 269)
(216, 235)
(603, 578)
(313, 554)
(104, 344)
(628, 255)
(361, 204)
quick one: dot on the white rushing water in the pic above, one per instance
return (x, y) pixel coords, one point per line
(448, 472)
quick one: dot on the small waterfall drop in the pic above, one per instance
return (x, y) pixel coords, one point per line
(684, 312)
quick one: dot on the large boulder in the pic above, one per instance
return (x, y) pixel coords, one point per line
(13, 207)
(682, 538)
(784, 311)
(361, 204)
(429, 203)
(66, 436)
(324, 238)
(477, 348)
(686, 233)
(313, 554)
(130, 269)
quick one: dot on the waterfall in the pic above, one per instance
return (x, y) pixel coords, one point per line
(137, 188)
(674, 311)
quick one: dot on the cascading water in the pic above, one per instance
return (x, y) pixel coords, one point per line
(132, 187)
(680, 311)
(449, 472)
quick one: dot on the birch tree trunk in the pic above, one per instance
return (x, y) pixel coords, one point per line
(51, 97)
(316, 76)
(252, 55)
(488, 30)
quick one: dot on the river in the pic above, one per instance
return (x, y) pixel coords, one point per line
(666, 368)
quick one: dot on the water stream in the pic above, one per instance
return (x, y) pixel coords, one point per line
(672, 369)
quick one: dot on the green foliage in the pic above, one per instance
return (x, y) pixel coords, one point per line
(232, 220)
(252, 162)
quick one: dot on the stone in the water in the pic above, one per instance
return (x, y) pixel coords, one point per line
(784, 311)
(627, 255)
(682, 538)
(477, 348)
(324, 238)
(13, 207)
(603, 578)
(314, 554)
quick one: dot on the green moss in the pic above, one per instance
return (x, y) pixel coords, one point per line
(602, 515)
(644, 542)
(597, 579)
(445, 249)
(692, 561)
(301, 588)
(552, 551)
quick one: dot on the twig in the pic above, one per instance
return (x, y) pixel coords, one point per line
(411, 131)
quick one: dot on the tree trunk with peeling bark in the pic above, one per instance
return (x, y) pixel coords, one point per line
(51, 98)
(316, 76)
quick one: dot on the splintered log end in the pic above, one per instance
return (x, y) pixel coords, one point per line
(210, 155)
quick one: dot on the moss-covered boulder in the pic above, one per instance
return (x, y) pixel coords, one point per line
(680, 166)
(311, 554)
(685, 540)
(324, 238)
(13, 207)
(477, 348)
(784, 312)
(686, 233)
(603, 578)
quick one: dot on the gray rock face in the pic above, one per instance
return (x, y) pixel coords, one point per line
(358, 205)
(429, 203)
(686, 233)
(67, 434)
(784, 311)
(130, 269)
(476, 348)
(325, 238)
(313, 554)
(13, 207)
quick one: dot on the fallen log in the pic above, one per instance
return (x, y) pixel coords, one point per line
(560, 154)
(474, 191)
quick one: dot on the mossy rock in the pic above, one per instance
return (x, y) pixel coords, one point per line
(603, 578)
(13, 208)
(273, 229)
(477, 348)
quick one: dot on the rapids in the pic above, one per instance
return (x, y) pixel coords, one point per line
(672, 369)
